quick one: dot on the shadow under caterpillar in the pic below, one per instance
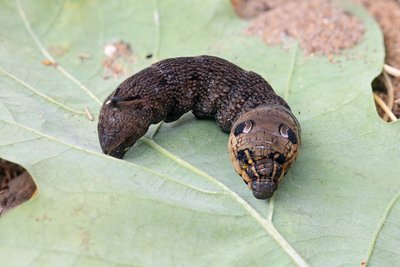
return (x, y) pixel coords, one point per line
(264, 134)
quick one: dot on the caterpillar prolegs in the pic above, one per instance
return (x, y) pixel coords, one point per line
(264, 134)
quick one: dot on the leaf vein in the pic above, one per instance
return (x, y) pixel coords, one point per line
(49, 57)
(129, 164)
(382, 221)
(51, 100)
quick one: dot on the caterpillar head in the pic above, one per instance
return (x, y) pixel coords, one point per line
(263, 144)
(121, 124)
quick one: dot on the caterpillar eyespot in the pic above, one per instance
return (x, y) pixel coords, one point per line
(264, 134)
(243, 127)
(283, 130)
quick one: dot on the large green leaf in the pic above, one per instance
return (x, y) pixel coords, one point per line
(175, 199)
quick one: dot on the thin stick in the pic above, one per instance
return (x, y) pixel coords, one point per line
(384, 107)
(88, 114)
(390, 91)
(391, 70)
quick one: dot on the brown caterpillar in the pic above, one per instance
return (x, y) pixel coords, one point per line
(265, 135)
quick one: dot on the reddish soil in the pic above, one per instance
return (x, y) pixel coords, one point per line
(326, 29)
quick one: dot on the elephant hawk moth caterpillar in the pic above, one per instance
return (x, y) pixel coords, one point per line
(264, 134)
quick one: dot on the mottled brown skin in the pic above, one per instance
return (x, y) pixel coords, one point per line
(263, 143)
(212, 88)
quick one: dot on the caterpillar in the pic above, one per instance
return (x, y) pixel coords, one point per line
(264, 135)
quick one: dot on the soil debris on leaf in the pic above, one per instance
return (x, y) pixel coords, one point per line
(58, 50)
(83, 56)
(49, 63)
(16, 185)
(318, 25)
(119, 57)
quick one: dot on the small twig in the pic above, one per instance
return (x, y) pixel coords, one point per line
(391, 70)
(384, 107)
(390, 92)
(88, 114)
